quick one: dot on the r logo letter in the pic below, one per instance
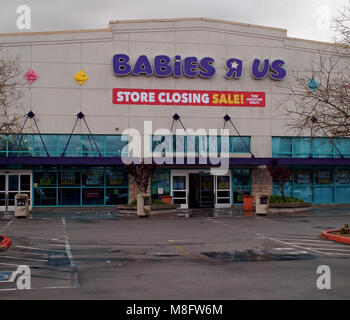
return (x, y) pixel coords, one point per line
(24, 20)
(24, 280)
(324, 281)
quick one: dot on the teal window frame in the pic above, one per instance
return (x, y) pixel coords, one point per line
(57, 186)
(248, 186)
(205, 145)
(79, 145)
(333, 186)
(318, 143)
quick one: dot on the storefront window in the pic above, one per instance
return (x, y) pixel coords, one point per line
(81, 187)
(21, 146)
(3, 145)
(69, 178)
(92, 146)
(116, 178)
(73, 148)
(160, 183)
(47, 179)
(342, 176)
(115, 146)
(179, 144)
(301, 147)
(50, 143)
(92, 196)
(322, 148)
(45, 196)
(116, 196)
(323, 176)
(239, 144)
(282, 147)
(303, 176)
(93, 178)
(69, 196)
(161, 144)
(241, 184)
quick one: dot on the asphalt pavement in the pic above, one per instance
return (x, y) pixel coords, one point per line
(214, 255)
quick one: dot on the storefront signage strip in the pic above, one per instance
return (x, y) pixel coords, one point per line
(188, 98)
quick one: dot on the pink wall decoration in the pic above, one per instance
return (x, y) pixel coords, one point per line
(31, 76)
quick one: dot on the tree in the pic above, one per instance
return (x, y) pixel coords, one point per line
(280, 176)
(11, 81)
(141, 173)
(320, 95)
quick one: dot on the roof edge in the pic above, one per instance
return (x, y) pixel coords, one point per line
(197, 19)
(39, 33)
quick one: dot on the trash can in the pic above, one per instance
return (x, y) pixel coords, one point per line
(248, 203)
(143, 205)
(21, 205)
(262, 203)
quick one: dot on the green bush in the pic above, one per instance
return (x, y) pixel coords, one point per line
(279, 199)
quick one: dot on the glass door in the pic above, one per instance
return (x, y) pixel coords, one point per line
(223, 191)
(12, 183)
(206, 191)
(179, 183)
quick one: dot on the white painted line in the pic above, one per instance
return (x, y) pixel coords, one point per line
(10, 289)
(323, 245)
(338, 254)
(300, 239)
(39, 249)
(283, 249)
(288, 244)
(3, 229)
(19, 258)
(284, 236)
(327, 249)
(51, 239)
(30, 253)
(9, 264)
(68, 248)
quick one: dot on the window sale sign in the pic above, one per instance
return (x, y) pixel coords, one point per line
(189, 98)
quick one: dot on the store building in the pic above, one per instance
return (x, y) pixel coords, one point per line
(85, 88)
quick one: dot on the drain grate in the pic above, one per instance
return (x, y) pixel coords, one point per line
(258, 255)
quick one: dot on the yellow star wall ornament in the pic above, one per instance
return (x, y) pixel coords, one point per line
(81, 77)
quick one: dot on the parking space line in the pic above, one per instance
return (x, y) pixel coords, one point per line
(327, 249)
(39, 249)
(323, 244)
(299, 247)
(28, 253)
(26, 259)
(4, 229)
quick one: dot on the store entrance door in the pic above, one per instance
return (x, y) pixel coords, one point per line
(201, 190)
(11, 183)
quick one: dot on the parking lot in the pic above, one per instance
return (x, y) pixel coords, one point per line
(205, 256)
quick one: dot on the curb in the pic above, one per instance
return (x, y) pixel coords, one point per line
(332, 237)
(5, 243)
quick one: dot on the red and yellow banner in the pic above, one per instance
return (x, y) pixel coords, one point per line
(189, 98)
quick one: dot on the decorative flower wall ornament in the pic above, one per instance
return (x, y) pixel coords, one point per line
(31, 76)
(313, 84)
(81, 77)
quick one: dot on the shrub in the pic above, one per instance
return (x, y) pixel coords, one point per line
(279, 199)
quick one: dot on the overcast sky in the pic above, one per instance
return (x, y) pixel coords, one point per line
(303, 18)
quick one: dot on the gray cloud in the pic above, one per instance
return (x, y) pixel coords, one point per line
(298, 16)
